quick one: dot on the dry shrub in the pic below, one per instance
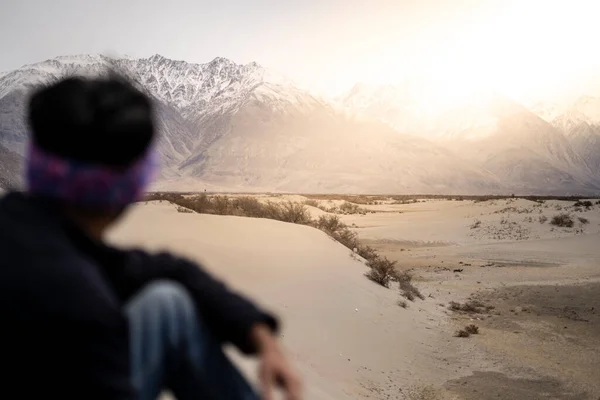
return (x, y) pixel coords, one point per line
(160, 196)
(587, 204)
(543, 219)
(584, 220)
(311, 203)
(250, 207)
(472, 307)
(472, 329)
(200, 204)
(221, 205)
(184, 210)
(334, 227)
(346, 237)
(462, 334)
(408, 295)
(407, 289)
(272, 210)
(357, 199)
(404, 276)
(246, 206)
(350, 208)
(402, 303)
(295, 213)
(329, 223)
(367, 252)
(345, 208)
(562, 220)
(382, 271)
(404, 201)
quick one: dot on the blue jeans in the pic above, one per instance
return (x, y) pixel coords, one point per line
(172, 349)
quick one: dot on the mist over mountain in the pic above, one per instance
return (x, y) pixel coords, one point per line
(238, 127)
(580, 123)
(496, 134)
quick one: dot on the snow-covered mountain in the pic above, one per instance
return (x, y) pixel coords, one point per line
(239, 127)
(546, 110)
(580, 123)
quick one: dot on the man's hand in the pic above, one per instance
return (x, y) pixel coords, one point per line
(274, 368)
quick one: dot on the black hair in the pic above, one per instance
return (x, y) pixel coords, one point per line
(101, 120)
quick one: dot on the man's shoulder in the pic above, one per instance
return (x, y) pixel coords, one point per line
(39, 265)
(28, 234)
(26, 221)
(140, 256)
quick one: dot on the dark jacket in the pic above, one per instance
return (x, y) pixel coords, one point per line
(63, 332)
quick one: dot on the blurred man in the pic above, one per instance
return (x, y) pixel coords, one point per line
(84, 320)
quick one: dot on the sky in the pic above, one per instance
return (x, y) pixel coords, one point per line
(528, 49)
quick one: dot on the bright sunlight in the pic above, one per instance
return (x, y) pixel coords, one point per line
(528, 51)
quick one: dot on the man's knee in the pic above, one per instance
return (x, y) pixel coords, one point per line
(167, 296)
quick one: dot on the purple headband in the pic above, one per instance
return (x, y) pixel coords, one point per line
(88, 185)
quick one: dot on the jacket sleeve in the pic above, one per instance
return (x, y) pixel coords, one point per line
(228, 315)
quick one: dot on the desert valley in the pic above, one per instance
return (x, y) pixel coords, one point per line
(439, 256)
(412, 187)
(490, 298)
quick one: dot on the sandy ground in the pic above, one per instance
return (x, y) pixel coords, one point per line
(349, 337)
(540, 341)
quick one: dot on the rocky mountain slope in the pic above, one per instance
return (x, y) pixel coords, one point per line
(580, 123)
(238, 127)
(10, 169)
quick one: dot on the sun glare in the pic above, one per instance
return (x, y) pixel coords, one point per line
(531, 49)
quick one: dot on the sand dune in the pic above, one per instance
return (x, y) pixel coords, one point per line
(346, 334)
(351, 340)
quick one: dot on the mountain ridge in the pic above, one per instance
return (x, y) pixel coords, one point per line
(580, 123)
(237, 125)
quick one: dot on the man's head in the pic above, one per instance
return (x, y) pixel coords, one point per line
(90, 146)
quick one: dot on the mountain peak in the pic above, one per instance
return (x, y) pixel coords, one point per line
(585, 108)
(585, 99)
(221, 61)
(240, 125)
(157, 57)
